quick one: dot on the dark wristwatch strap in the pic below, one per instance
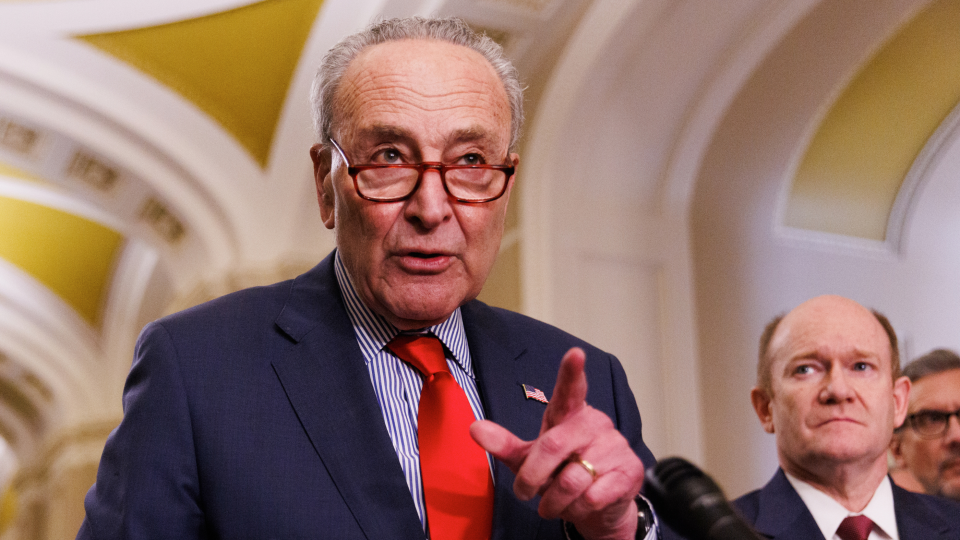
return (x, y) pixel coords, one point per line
(646, 520)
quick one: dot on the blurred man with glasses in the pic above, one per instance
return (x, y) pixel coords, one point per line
(928, 442)
(373, 397)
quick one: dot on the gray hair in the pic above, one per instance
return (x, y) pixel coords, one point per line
(453, 30)
(932, 363)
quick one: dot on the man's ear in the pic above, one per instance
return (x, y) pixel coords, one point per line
(896, 450)
(514, 159)
(762, 405)
(320, 154)
(901, 399)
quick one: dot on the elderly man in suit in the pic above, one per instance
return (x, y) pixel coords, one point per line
(373, 397)
(828, 387)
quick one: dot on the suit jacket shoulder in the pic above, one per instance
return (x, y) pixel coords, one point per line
(778, 512)
(253, 416)
(921, 517)
(295, 306)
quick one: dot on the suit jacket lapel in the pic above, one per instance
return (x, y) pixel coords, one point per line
(497, 359)
(782, 514)
(327, 383)
(916, 521)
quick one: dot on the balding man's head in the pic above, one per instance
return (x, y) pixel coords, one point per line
(764, 358)
(830, 395)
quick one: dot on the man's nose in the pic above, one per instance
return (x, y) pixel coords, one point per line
(430, 205)
(838, 388)
(952, 435)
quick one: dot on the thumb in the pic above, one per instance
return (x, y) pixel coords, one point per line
(501, 444)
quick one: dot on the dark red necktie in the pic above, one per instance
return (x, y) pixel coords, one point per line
(457, 485)
(855, 528)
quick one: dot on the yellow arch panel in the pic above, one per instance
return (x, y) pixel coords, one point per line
(14, 172)
(856, 162)
(235, 65)
(70, 255)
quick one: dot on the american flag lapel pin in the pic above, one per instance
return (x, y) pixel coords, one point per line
(534, 393)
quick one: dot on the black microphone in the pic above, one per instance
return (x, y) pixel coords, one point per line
(692, 503)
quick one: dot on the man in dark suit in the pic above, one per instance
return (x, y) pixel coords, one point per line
(829, 388)
(294, 410)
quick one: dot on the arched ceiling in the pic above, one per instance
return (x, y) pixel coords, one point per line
(235, 65)
(868, 140)
(154, 154)
(79, 253)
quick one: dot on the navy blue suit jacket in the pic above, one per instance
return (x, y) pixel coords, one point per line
(253, 416)
(778, 512)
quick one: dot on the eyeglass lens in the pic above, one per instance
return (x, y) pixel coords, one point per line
(397, 182)
(932, 423)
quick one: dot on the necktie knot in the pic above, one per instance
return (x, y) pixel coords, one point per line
(424, 353)
(855, 528)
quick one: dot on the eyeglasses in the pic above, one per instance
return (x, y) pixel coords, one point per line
(397, 182)
(931, 424)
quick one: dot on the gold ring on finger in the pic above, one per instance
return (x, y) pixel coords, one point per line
(586, 465)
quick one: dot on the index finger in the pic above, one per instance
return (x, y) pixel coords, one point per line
(570, 392)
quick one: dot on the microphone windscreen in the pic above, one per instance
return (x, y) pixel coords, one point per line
(692, 503)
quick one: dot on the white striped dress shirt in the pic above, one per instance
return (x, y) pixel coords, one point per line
(397, 384)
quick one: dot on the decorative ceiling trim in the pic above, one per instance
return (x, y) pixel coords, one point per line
(71, 255)
(854, 165)
(54, 197)
(70, 129)
(134, 285)
(41, 333)
(55, 18)
(65, 243)
(544, 141)
(18, 436)
(930, 156)
(746, 54)
(235, 65)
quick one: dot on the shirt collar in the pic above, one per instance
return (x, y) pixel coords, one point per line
(828, 513)
(374, 332)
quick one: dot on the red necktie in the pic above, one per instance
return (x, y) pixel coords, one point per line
(855, 528)
(457, 485)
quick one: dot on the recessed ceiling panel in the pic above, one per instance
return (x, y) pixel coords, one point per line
(235, 65)
(857, 160)
(70, 255)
